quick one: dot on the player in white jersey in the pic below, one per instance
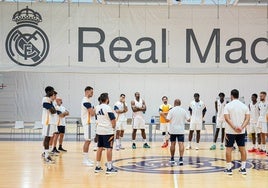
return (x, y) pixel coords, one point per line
(220, 121)
(237, 117)
(197, 110)
(105, 131)
(138, 107)
(254, 116)
(87, 111)
(61, 114)
(120, 107)
(262, 122)
(177, 117)
(164, 124)
(48, 120)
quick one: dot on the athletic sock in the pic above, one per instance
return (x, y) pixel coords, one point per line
(228, 166)
(243, 164)
(117, 142)
(144, 141)
(46, 153)
(97, 163)
(109, 164)
(85, 155)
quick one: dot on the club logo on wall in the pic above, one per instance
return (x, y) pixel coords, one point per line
(26, 43)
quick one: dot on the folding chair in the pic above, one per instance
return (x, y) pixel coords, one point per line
(19, 125)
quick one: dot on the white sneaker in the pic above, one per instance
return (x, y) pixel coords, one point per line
(188, 147)
(88, 162)
(121, 147)
(196, 148)
(95, 148)
(117, 147)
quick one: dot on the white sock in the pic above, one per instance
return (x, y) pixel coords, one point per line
(243, 164)
(189, 143)
(117, 142)
(46, 153)
(144, 141)
(120, 138)
(109, 164)
(50, 147)
(95, 144)
(85, 155)
(97, 163)
(197, 145)
(133, 141)
(228, 166)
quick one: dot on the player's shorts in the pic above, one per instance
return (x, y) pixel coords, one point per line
(230, 139)
(49, 130)
(106, 141)
(220, 124)
(179, 137)
(195, 126)
(262, 127)
(61, 129)
(89, 131)
(138, 123)
(164, 127)
(121, 125)
(252, 128)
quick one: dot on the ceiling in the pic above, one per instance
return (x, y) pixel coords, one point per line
(156, 2)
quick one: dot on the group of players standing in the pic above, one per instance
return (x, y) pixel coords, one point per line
(172, 124)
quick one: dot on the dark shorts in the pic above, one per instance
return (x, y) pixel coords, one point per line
(106, 141)
(61, 129)
(232, 138)
(179, 137)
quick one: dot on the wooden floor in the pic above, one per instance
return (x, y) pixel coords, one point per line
(22, 166)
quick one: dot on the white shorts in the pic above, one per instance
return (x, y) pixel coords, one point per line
(253, 128)
(49, 130)
(262, 127)
(138, 123)
(164, 127)
(89, 131)
(220, 124)
(121, 125)
(195, 126)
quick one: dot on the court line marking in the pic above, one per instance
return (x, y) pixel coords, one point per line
(175, 181)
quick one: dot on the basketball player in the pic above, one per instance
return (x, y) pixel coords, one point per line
(197, 110)
(262, 122)
(254, 116)
(219, 106)
(62, 113)
(177, 117)
(48, 121)
(237, 117)
(120, 108)
(138, 107)
(105, 132)
(164, 124)
(87, 110)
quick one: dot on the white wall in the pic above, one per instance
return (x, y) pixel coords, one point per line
(21, 99)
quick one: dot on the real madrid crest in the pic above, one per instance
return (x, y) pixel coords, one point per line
(26, 43)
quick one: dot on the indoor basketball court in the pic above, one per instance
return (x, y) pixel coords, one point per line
(160, 49)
